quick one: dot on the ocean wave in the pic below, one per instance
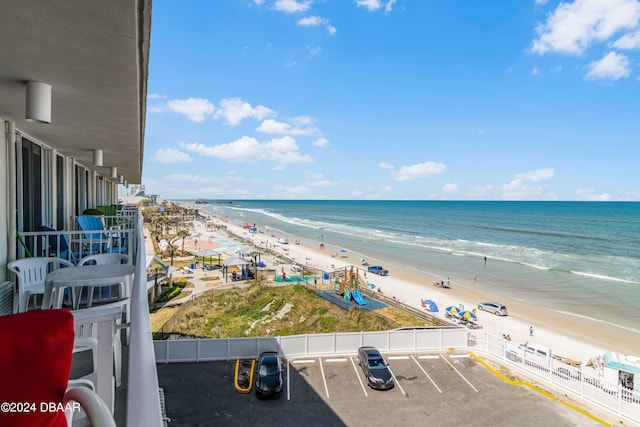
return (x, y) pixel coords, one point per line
(600, 276)
(563, 262)
(593, 319)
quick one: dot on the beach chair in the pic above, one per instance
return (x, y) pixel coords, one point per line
(95, 234)
(61, 249)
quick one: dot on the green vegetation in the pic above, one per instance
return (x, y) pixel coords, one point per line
(275, 311)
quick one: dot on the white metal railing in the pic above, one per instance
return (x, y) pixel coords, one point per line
(200, 350)
(73, 245)
(588, 384)
(143, 396)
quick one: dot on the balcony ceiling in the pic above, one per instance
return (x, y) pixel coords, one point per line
(95, 55)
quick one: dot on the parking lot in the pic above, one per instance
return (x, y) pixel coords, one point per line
(434, 389)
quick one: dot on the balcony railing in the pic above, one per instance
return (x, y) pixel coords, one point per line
(121, 231)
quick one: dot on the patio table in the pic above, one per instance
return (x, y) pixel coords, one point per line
(89, 276)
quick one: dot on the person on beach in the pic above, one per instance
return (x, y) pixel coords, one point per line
(475, 277)
(530, 331)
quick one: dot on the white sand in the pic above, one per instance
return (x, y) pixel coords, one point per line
(577, 338)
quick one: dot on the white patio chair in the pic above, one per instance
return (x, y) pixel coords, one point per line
(86, 340)
(31, 274)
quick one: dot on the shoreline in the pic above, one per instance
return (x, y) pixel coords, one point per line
(576, 337)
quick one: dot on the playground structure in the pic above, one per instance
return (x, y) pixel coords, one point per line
(348, 286)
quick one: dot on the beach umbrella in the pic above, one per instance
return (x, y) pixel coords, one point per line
(430, 305)
(343, 250)
(468, 315)
(453, 309)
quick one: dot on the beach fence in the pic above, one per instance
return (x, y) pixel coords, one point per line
(586, 383)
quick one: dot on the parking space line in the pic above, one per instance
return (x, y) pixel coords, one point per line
(398, 358)
(425, 372)
(334, 360)
(433, 356)
(288, 382)
(396, 380)
(358, 375)
(304, 361)
(459, 356)
(461, 376)
(324, 379)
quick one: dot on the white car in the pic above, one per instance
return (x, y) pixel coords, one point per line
(283, 241)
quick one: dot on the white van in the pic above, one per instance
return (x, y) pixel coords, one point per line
(283, 241)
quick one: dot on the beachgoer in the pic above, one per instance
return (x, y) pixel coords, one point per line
(508, 337)
(485, 260)
(530, 331)
(475, 277)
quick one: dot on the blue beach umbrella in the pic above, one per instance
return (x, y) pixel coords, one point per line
(430, 305)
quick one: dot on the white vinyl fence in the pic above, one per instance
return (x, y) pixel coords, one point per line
(414, 340)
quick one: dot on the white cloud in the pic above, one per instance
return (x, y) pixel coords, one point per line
(587, 193)
(628, 41)
(287, 191)
(520, 189)
(316, 21)
(572, 27)
(302, 120)
(534, 72)
(170, 155)
(322, 183)
(258, 1)
(283, 151)
(389, 7)
(613, 66)
(451, 188)
(198, 179)
(234, 110)
(292, 6)
(541, 2)
(320, 142)
(369, 4)
(385, 165)
(274, 127)
(372, 5)
(536, 175)
(194, 108)
(420, 170)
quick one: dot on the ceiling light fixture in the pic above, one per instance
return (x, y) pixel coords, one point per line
(38, 102)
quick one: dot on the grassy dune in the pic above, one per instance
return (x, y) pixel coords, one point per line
(272, 311)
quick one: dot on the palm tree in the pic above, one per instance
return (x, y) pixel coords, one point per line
(183, 234)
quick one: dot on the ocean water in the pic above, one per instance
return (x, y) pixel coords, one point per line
(581, 258)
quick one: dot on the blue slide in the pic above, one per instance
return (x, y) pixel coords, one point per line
(357, 297)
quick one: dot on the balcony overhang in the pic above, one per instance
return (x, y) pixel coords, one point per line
(95, 56)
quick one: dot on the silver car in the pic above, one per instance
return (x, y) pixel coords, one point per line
(493, 307)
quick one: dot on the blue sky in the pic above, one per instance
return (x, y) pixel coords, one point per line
(394, 99)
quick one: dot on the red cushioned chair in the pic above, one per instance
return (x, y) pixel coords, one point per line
(35, 361)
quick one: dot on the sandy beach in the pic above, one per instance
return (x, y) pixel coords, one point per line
(566, 335)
